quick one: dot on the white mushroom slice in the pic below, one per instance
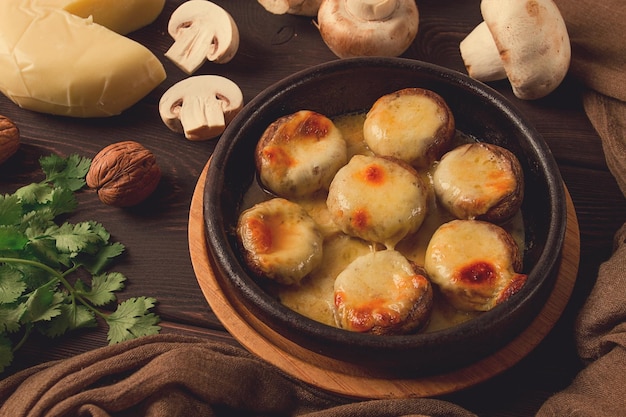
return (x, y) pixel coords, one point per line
(382, 293)
(202, 31)
(475, 264)
(524, 41)
(297, 7)
(280, 240)
(201, 106)
(368, 27)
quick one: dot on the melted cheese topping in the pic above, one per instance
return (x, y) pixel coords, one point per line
(381, 292)
(406, 124)
(281, 240)
(300, 154)
(314, 296)
(377, 200)
(473, 178)
(474, 263)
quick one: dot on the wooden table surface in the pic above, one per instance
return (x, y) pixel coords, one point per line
(157, 261)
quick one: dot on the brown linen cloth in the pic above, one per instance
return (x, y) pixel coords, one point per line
(169, 375)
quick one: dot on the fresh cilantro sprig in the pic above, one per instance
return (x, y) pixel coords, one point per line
(53, 278)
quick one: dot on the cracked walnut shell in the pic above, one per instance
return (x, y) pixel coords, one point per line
(9, 138)
(124, 174)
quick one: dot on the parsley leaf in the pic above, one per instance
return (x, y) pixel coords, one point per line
(66, 173)
(11, 285)
(132, 319)
(10, 210)
(38, 255)
(102, 288)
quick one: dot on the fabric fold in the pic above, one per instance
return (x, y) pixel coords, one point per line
(155, 375)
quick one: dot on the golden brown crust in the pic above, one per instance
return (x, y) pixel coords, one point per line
(377, 199)
(475, 263)
(298, 154)
(412, 131)
(480, 181)
(383, 293)
(280, 240)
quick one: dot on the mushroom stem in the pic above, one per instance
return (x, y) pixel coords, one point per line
(200, 106)
(201, 30)
(481, 56)
(371, 9)
(202, 117)
(191, 49)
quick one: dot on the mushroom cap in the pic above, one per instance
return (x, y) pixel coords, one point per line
(533, 43)
(353, 28)
(200, 106)
(296, 7)
(202, 30)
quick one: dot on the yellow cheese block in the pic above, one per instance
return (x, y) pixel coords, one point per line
(52, 61)
(121, 16)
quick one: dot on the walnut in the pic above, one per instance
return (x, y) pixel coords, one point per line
(9, 138)
(124, 174)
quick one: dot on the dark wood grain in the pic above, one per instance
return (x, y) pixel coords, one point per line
(157, 261)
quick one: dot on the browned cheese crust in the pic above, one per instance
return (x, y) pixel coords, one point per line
(299, 154)
(377, 199)
(280, 240)
(383, 293)
(480, 181)
(475, 264)
(413, 124)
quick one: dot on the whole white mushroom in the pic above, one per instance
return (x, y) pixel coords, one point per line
(296, 7)
(353, 28)
(525, 41)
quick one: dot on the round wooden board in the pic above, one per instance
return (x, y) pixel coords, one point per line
(355, 381)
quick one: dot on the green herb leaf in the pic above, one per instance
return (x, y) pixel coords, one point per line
(66, 173)
(10, 210)
(74, 238)
(42, 304)
(37, 255)
(10, 316)
(97, 262)
(12, 239)
(71, 317)
(132, 319)
(102, 288)
(11, 285)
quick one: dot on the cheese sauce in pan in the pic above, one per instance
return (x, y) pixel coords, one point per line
(313, 297)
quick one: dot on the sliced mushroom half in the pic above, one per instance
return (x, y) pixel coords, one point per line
(201, 106)
(202, 31)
